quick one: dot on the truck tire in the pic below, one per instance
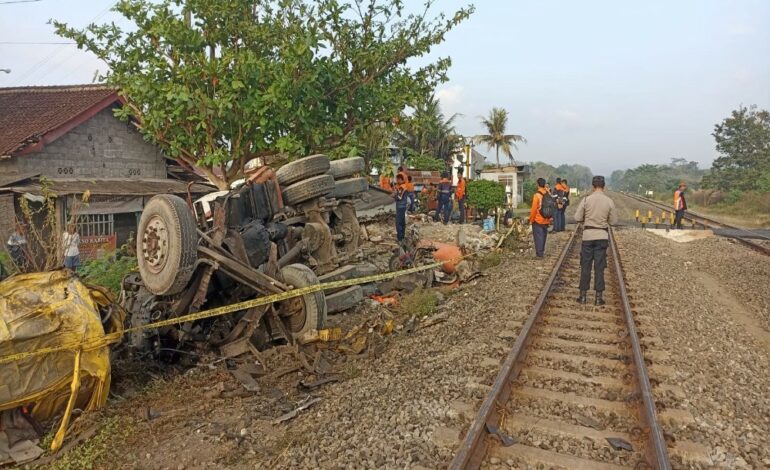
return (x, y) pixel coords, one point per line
(301, 169)
(310, 188)
(350, 187)
(166, 245)
(313, 312)
(346, 167)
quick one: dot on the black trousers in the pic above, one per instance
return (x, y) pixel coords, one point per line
(540, 233)
(400, 223)
(678, 218)
(593, 254)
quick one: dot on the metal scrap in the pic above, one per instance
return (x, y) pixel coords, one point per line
(307, 403)
(504, 439)
(620, 444)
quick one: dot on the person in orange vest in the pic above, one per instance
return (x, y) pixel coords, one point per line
(540, 216)
(460, 196)
(402, 172)
(385, 182)
(559, 220)
(409, 186)
(444, 210)
(680, 205)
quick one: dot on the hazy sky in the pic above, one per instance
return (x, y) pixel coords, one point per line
(608, 84)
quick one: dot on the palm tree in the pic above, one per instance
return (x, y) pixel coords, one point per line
(496, 136)
(429, 132)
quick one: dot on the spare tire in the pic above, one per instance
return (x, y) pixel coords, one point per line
(302, 169)
(350, 187)
(166, 244)
(346, 167)
(310, 188)
(309, 312)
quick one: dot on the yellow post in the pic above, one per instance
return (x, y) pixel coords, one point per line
(657, 222)
(649, 214)
(637, 215)
(672, 218)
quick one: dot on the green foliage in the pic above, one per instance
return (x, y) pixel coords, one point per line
(108, 271)
(490, 260)
(529, 189)
(96, 450)
(733, 196)
(420, 303)
(485, 194)
(217, 84)
(424, 162)
(496, 137)
(661, 179)
(428, 133)
(743, 141)
(578, 176)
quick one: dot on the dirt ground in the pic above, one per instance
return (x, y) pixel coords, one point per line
(403, 406)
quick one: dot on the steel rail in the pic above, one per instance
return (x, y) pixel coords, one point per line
(471, 452)
(474, 446)
(708, 221)
(657, 451)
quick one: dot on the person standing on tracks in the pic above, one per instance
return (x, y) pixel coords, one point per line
(597, 213)
(540, 216)
(680, 205)
(559, 221)
(444, 210)
(460, 196)
(402, 204)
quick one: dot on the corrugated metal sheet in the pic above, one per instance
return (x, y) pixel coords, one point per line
(135, 187)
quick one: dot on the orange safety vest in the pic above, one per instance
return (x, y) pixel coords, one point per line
(460, 191)
(385, 183)
(678, 205)
(534, 212)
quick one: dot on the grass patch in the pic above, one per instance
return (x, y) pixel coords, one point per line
(96, 450)
(490, 260)
(420, 303)
(108, 271)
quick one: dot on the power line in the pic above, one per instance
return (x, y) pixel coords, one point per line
(18, 1)
(32, 43)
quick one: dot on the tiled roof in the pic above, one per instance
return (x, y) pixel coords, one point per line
(32, 115)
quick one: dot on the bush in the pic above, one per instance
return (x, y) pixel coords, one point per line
(485, 194)
(420, 303)
(108, 271)
(529, 188)
(733, 196)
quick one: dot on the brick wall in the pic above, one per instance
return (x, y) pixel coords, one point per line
(102, 147)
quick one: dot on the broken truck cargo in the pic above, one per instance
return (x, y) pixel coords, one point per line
(47, 310)
(276, 231)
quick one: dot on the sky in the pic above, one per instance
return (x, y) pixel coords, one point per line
(607, 84)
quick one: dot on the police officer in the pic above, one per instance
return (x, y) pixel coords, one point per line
(597, 212)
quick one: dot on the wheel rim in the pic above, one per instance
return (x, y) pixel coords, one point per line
(155, 245)
(293, 310)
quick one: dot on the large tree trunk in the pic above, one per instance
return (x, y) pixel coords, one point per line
(497, 155)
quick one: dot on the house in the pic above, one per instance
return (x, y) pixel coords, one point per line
(478, 160)
(513, 177)
(67, 140)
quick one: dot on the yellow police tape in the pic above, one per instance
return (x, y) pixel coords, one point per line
(215, 312)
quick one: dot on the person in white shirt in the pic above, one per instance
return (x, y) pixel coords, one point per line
(71, 246)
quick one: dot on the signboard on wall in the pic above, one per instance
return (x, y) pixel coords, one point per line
(96, 246)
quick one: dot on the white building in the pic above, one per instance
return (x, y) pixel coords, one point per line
(477, 165)
(512, 177)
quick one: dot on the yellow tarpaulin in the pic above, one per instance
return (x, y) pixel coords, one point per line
(51, 309)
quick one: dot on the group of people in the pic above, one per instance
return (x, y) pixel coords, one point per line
(596, 212)
(18, 248)
(405, 196)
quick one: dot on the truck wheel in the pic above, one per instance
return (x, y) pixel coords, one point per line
(307, 312)
(310, 188)
(166, 245)
(350, 187)
(346, 167)
(302, 169)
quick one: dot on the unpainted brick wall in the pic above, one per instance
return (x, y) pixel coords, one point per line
(102, 147)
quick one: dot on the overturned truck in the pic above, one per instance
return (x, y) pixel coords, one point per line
(275, 232)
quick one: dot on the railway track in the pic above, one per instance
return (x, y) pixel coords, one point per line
(705, 222)
(575, 380)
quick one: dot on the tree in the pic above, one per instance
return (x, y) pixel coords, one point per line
(428, 133)
(485, 194)
(218, 84)
(743, 140)
(496, 137)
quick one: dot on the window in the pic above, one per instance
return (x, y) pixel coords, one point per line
(96, 224)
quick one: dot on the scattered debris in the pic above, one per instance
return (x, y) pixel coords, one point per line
(305, 404)
(620, 444)
(504, 439)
